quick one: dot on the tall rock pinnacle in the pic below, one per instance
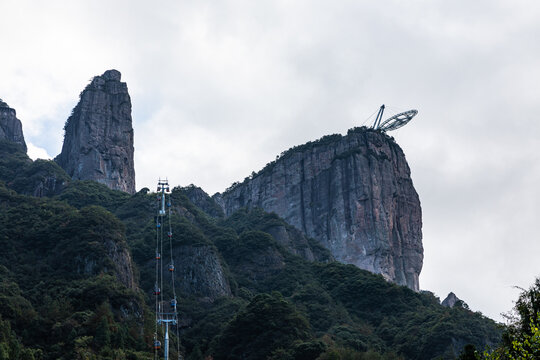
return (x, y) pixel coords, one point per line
(98, 140)
(10, 126)
(353, 193)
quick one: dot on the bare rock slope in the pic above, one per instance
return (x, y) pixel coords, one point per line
(98, 141)
(352, 193)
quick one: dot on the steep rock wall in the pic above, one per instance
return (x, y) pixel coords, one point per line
(353, 193)
(10, 126)
(98, 141)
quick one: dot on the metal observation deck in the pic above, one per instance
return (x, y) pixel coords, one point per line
(393, 122)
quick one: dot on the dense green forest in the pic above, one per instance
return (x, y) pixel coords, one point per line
(76, 278)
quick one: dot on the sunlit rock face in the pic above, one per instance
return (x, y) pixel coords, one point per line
(10, 126)
(98, 141)
(353, 193)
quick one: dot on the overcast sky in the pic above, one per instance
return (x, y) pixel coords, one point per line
(220, 88)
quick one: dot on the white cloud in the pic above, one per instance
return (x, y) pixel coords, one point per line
(35, 152)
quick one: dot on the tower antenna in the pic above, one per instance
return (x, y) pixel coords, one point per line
(166, 313)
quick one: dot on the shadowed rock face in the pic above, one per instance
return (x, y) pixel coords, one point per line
(353, 193)
(200, 272)
(123, 264)
(98, 141)
(202, 200)
(10, 126)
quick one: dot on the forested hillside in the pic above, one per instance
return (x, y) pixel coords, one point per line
(76, 277)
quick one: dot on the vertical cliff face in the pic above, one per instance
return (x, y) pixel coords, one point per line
(353, 193)
(10, 126)
(98, 140)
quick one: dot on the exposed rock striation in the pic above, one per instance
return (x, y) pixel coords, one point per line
(352, 193)
(98, 140)
(10, 126)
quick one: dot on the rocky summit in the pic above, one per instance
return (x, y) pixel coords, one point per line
(352, 193)
(98, 140)
(452, 300)
(10, 126)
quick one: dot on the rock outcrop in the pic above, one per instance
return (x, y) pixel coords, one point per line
(202, 200)
(98, 140)
(352, 193)
(452, 300)
(37, 178)
(41, 178)
(123, 265)
(10, 126)
(297, 243)
(199, 272)
(286, 236)
(92, 242)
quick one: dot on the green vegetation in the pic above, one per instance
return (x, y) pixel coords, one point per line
(267, 325)
(256, 219)
(205, 202)
(327, 139)
(20, 173)
(521, 338)
(310, 145)
(12, 161)
(59, 284)
(85, 193)
(65, 292)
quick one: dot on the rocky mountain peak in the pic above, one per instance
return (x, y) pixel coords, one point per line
(98, 140)
(112, 74)
(10, 126)
(352, 193)
(452, 300)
